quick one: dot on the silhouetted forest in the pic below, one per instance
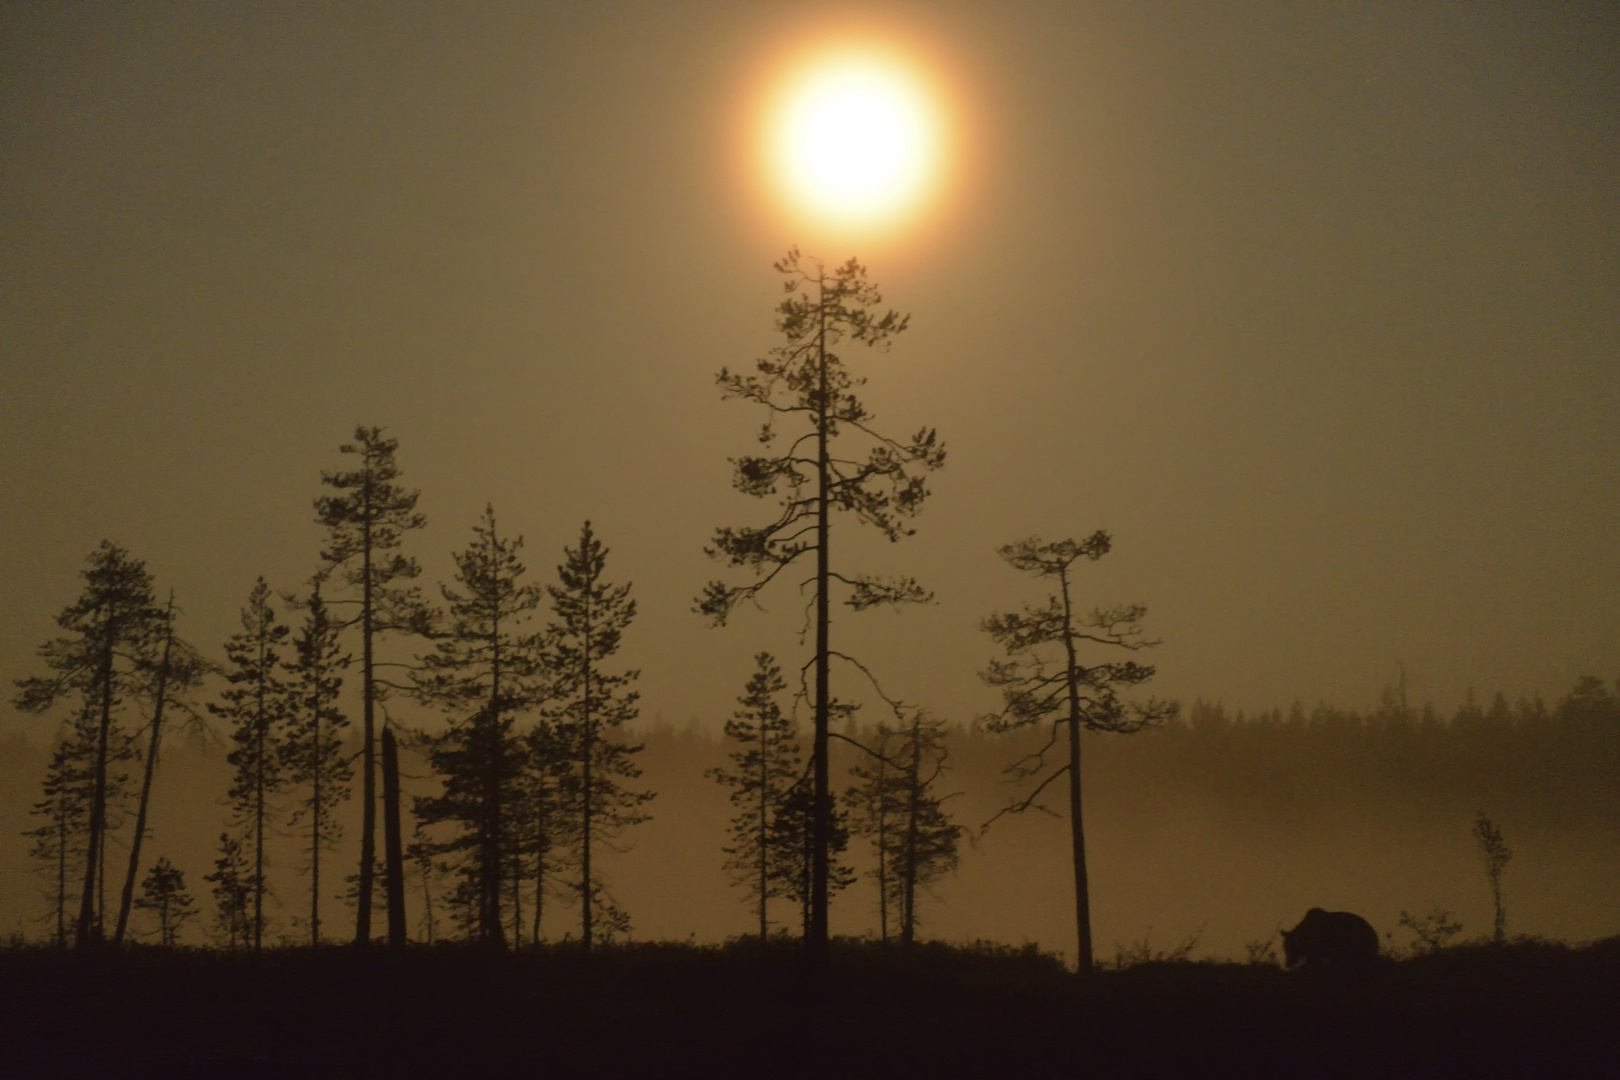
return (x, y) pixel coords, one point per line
(1226, 823)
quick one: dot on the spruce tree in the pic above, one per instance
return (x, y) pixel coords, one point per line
(764, 771)
(312, 750)
(482, 675)
(1043, 681)
(255, 704)
(805, 384)
(366, 523)
(588, 705)
(111, 632)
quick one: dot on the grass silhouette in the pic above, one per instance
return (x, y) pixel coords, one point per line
(667, 1010)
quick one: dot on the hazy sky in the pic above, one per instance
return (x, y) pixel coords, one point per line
(1315, 307)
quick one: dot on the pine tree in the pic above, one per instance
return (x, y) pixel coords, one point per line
(366, 523)
(312, 750)
(111, 633)
(549, 818)
(177, 669)
(164, 893)
(926, 840)
(59, 840)
(803, 380)
(420, 852)
(482, 675)
(233, 893)
(763, 772)
(794, 850)
(876, 805)
(588, 705)
(1043, 680)
(255, 703)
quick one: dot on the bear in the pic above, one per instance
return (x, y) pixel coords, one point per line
(1330, 940)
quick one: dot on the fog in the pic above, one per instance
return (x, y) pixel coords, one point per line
(1222, 831)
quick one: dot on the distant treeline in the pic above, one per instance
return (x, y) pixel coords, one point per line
(1590, 706)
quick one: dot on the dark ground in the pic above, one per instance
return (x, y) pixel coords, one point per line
(685, 1011)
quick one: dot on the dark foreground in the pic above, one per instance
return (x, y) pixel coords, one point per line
(685, 1011)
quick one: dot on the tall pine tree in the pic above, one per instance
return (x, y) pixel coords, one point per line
(589, 704)
(482, 675)
(255, 704)
(312, 751)
(59, 841)
(366, 523)
(880, 481)
(1043, 681)
(175, 670)
(110, 635)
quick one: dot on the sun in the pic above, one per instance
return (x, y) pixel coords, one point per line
(855, 137)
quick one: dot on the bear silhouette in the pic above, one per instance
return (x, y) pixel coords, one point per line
(1330, 940)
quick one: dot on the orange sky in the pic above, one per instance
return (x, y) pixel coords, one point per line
(1313, 306)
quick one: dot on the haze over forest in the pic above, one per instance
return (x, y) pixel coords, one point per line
(1314, 308)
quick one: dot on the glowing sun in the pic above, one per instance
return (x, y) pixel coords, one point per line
(855, 138)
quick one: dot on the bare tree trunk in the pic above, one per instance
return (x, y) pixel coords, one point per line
(909, 881)
(542, 835)
(820, 820)
(587, 892)
(391, 842)
(146, 781)
(316, 806)
(260, 725)
(1077, 831)
(61, 872)
(368, 752)
(98, 800)
(764, 830)
(427, 900)
(883, 841)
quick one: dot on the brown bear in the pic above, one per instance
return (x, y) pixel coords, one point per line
(1330, 940)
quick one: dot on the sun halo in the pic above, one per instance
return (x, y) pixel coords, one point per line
(855, 138)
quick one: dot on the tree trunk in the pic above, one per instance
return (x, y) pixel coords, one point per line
(1077, 831)
(146, 781)
(391, 842)
(61, 870)
(883, 841)
(764, 829)
(261, 723)
(542, 836)
(368, 752)
(587, 893)
(98, 799)
(909, 882)
(820, 823)
(318, 755)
